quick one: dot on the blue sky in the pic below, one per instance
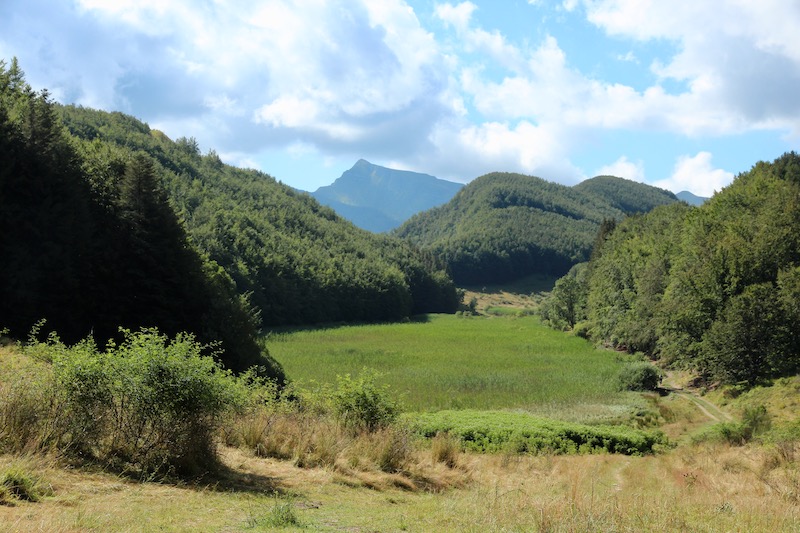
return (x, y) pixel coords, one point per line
(682, 94)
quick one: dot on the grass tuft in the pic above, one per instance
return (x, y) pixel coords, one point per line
(20, 484)
(281, 514)
(445, 449)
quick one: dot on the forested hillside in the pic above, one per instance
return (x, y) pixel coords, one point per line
(299, 262)
(715, 288)
(107, 223)
(505, 226)
(90, 242)
(628, 196)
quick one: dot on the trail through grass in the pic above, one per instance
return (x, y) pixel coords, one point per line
(449, 362)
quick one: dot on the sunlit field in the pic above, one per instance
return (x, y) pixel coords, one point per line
(451, 362)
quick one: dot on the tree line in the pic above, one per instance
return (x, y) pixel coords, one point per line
(298, 261)
(714, 288)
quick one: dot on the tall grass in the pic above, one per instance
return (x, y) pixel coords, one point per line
(448, 362)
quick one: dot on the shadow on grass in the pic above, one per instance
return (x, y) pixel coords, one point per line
(218, 477)
(226, 479)
(416, 319)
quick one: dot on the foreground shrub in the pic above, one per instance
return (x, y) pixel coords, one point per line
(150, 405)
(362, 404)
(349, 426)
(639, 376)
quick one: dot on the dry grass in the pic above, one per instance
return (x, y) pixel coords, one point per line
(706, 488)
(387, 457)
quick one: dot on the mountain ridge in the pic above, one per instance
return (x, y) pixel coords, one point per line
(504, 226)
(379, 199)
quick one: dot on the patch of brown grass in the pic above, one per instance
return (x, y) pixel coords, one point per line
(384, 458)
(693, 488)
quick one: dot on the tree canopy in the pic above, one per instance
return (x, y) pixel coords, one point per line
(298, 261)
(504, 226)
(714, 288)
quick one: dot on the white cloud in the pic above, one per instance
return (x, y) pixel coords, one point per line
(697, 175)
(623, 168)
(742, 61)
(457, 16)
(364, 78)
(328, 73)
(569, 5)
(465, 151)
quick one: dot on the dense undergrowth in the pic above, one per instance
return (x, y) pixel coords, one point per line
(517, 432)
(148, 406)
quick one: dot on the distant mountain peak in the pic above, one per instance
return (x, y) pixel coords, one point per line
(379, 199)
(691, 198)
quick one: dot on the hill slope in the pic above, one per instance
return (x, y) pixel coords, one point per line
(504, 226)
(299, 262)
(714, 288)
(628, 196)
(92, 248)
(379, 199)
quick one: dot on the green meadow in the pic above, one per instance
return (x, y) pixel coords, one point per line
(451, 362)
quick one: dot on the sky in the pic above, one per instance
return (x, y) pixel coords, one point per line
(683, 94)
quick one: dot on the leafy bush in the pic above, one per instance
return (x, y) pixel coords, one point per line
(362, 404)
(149, 405)
(639, 376)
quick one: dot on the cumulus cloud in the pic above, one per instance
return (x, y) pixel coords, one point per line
(457, 15)
(366, 79)
(696, 174)
(331, 73)
(743, 61)
(465, 151)
(623, 168)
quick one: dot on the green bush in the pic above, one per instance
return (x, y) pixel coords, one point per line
(501, 431)
(755, 421)
(362, 404)
(150, 405)
(639, 376)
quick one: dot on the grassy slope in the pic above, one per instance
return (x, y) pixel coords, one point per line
(450, 362)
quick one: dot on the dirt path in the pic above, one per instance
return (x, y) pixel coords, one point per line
(711, 411)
